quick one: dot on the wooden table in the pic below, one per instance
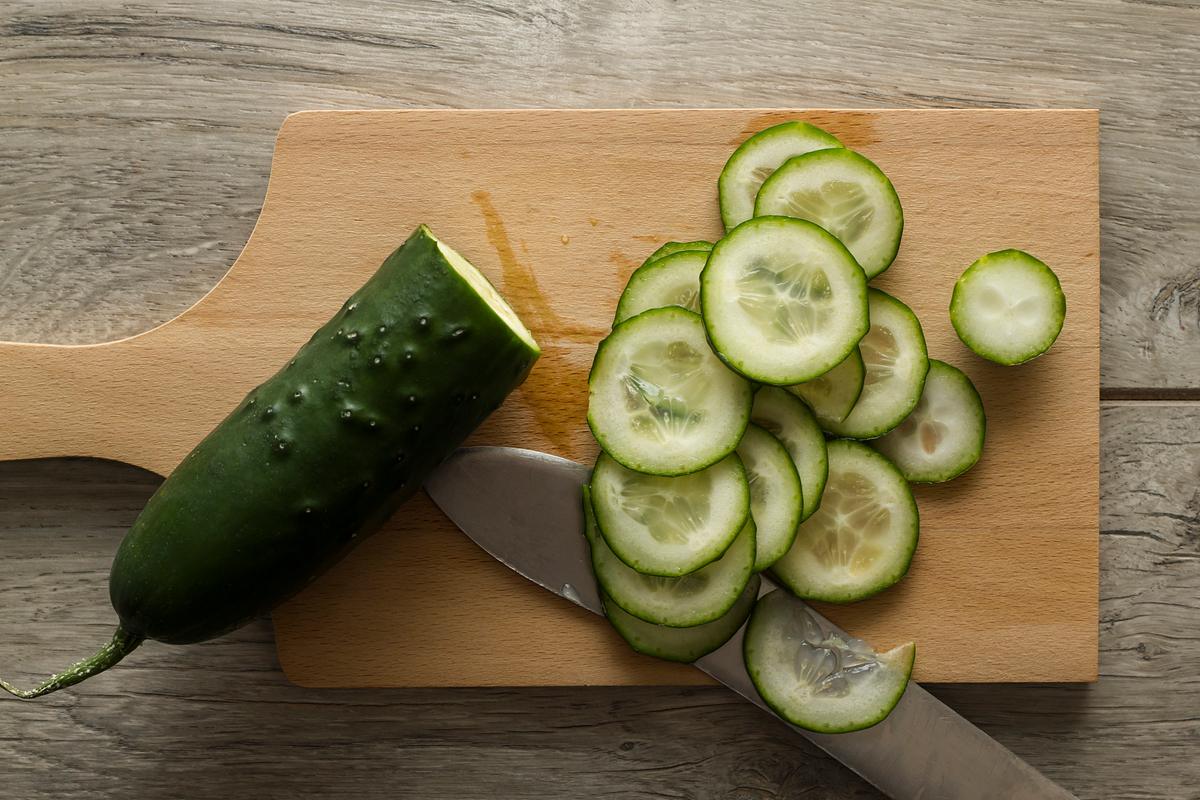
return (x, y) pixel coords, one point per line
(135, 149)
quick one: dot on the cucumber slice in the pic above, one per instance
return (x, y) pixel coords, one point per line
(832, 396)
(672, 280)
(670, 526)
(669, 248)
(775, 494)
(1008, 307)
(896, 360)
(943, 437)
(682, 644)
(787, 419)
(862, 539)
(759, 156)
(783, 301)
(816, 677)
(659, 401)
(682, 602)
(847, 195)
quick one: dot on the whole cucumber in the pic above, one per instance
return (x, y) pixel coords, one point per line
(318, 456)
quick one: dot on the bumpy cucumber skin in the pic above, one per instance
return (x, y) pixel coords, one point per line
(981, 349)
(321, 453)
(670, 248)
(683, 645)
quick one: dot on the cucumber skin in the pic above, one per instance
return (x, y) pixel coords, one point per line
(285, 486)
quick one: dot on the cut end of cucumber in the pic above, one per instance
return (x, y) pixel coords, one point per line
(817, 677)
(660, 401)
(943, 436)
(847, 195)
(783, 301)
(759, 156)
(1008, 307)
(484, 288)
(862, 538)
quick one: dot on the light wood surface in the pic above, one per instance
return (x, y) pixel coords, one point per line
(542, 202)
(136, 145)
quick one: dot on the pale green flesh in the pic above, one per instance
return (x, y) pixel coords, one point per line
(670, 248)
(671, 280)
(943, 436)
(682, 644)
(1008, 307)
(659, 400)
(670, 525)
(832, 396)
(775, 494)
(817, 677)
(759, 156)
(862, 538)
(783, 301)
(787, 419)
(896, 361)
(844, 193)
(693, 599)
(483, 287)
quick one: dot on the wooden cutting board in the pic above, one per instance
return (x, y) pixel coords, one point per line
(558, 207)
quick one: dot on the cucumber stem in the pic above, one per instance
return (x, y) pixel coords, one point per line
(123, 643)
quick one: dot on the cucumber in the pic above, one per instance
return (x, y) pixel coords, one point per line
(847, 195)
(783, 301)
(832, 396)
(756, 158)
(789, 420)
(670, 526)
(319, 455)
(862, 539)
(684, 645)
(775, 494)
(817, 677)
(1008, 307)
(896, 359)
(659, 400)
(669, 248)
(682, 602)
(943, 437)
(672, 280)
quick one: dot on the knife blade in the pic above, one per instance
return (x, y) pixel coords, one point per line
(524, 508)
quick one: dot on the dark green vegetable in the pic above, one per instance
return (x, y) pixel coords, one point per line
(317, 456)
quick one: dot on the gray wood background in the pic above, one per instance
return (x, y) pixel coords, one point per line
(135, 142)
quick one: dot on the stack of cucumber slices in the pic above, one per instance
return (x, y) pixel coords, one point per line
(761, 408)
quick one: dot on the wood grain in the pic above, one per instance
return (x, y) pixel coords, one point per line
(540, 200)
(138, 136)
(220, 718)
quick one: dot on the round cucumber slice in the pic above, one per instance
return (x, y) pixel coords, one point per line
(816, 677)
(1008, 307)
(832, 396)
(659, 400)
(670, 526)
(783, 301)
(775, 494)
(943, 437)
(672, 280)
(789, 420)
(670, 248)
(862, 538)
(896, 362)
(682, 644)
(755, 160)
(847, 195)
(682, 602)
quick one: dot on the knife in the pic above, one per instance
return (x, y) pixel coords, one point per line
(525, 509)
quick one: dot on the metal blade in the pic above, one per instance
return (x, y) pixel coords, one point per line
(525, 509)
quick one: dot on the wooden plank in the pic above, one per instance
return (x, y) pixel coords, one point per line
(138, 138)
(205, 720)
(546, 195)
